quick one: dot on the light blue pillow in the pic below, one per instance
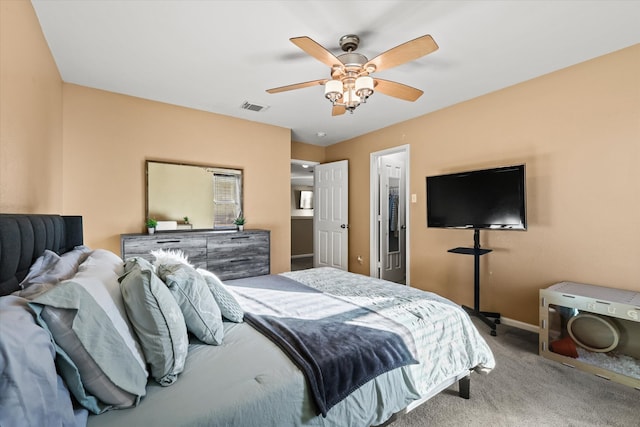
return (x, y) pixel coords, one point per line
(157, 320)
(229, 306)
(103, 370)
(40, 268)
(31, 391)
(68, 264)
(200, 310)
(93, 356)
(51, 268)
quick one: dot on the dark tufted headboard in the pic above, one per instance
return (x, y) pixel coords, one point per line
(24, 237)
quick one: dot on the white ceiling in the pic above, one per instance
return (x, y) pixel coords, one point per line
(214, 55)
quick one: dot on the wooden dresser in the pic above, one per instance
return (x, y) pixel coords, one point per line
(230, 255)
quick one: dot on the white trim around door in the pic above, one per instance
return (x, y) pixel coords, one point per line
(374, 197)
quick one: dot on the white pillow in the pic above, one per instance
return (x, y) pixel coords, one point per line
(170, 257)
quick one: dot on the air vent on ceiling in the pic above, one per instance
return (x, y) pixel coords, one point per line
(253, 107)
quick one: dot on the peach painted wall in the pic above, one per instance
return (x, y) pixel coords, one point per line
(310, 152)
(108, 137)
(94, 164)
(578, 131)
(30, 115)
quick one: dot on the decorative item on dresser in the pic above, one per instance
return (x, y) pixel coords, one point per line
(230, 255)
(239, 222)
(151, 225)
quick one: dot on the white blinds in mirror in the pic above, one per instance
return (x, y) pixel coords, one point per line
(227, 187)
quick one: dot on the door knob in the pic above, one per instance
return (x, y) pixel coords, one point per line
(344, 225)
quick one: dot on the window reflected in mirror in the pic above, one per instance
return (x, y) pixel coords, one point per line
(186, 196)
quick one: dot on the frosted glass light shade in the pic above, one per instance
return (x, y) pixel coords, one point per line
(333, 90)
(364, 86)
(351, 99)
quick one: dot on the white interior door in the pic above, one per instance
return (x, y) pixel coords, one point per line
(331, 213)
(392, 221)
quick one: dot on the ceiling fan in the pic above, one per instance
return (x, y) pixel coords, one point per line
(350, 83)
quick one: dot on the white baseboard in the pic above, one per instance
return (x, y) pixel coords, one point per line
(520, 325)
(301, 256)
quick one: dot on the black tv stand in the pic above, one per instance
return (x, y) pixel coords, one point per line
(477, 252)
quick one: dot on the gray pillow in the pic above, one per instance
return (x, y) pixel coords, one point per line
(229, 306)
(103, 370)
(96, 356)
(96, 383)
(157, 320)
(31, 391)
(50, 268)
(68, 264)
(40, 267)
(200, 310)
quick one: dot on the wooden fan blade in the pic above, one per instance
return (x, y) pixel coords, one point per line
(316, 50)
(297, 86)
(405, 52)
(338, 110)
(397, 90)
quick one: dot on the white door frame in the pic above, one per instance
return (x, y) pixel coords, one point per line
(374, 268)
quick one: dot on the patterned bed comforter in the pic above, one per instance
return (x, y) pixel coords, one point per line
(248, 381)
(338, 345)
(446, 341)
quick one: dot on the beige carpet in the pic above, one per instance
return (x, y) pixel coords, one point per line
(528, 390)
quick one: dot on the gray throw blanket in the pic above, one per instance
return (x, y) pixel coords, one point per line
(339, 346)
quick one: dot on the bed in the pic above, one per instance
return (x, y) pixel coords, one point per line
(264, 358)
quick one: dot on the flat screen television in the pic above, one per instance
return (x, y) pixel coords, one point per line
(480, 199)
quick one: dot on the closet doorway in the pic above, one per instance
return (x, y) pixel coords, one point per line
(389, 241)
(302, 180)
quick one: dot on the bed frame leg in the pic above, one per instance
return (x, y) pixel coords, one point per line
(464, 386)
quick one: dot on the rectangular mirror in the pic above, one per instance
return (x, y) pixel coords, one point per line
(186, 196)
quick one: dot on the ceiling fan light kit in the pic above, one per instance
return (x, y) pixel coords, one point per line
(350, 84)
(349, 93)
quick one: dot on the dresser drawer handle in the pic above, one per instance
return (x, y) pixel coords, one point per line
(240, 237)
(240, 260)
(168, 241)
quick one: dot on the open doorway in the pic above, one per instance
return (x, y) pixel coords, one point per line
(389, 235)
(302, 181)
